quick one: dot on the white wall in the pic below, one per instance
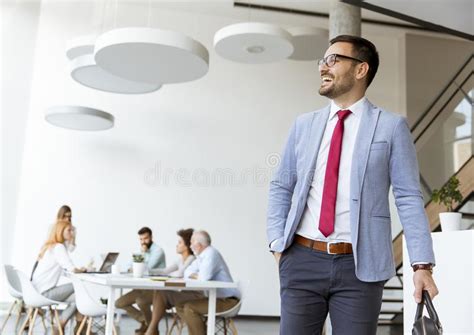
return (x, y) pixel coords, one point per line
(19, 24)
(234, 118)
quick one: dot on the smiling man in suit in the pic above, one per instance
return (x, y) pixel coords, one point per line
(328, 219)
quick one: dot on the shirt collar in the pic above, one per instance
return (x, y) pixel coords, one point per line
(201, 255)
(356, 108)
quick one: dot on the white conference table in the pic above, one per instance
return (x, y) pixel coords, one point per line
(127, 281)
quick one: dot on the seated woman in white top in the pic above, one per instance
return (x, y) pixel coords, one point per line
(175, 270)
(53, 259)
(183, 248)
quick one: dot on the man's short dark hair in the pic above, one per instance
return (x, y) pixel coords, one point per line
(145, 230)
(364, 50)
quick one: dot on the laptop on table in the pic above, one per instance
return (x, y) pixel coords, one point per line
(109, 260)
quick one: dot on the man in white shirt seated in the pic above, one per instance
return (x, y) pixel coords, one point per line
(154, 259)
(192, 305)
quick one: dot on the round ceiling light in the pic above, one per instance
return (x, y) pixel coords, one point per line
(253, 42)
(309, 42)
(80, 46)
(79, 118)
(85, 71)
(151, 55)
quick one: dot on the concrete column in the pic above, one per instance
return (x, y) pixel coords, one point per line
(344, 19)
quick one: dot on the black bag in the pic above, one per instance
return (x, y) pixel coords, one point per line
(424, 325)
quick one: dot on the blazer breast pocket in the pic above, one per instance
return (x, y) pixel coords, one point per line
(379, 146)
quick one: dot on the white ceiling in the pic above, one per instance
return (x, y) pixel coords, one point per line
(227, 8)
(319, 6)
(453, 14)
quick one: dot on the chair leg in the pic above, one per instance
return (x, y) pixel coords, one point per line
(51, 317)
(81, 326)
(180, 326)
(32, 323)
(20, 312)
(27, 319)
(232, 327)
(56, 315)
(225, 325)
(42, 321)
(114, 330)
(89, 326)
(8, 316)
(174, 323)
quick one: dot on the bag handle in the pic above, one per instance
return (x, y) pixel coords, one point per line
(426, 300)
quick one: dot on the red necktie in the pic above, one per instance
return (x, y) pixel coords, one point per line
(328, 204)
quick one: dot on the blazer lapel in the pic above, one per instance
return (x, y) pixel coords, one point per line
(362, 144)
(316, 134)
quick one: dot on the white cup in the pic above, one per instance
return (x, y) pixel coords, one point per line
(115, 269)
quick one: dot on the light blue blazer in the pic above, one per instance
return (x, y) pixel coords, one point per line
(384, 155)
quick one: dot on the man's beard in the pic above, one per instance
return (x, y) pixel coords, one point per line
(148, 245)
(334, 91)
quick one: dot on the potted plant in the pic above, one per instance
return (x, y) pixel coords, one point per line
(138, 265)
(448, 195)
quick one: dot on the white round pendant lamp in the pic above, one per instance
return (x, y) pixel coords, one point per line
(310, 43)
(253, 42)
(151, 55)
(80, 46)
(85, 71)
(79, 118)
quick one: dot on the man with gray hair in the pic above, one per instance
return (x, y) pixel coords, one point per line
(192, 305)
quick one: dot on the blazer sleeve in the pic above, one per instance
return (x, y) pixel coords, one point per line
(404, 177)
(282, 186)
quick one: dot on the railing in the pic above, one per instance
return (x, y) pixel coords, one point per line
(443, 134)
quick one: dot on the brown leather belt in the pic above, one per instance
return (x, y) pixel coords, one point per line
(333, 248)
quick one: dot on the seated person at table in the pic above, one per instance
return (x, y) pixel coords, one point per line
(192, 305)
(154, 259)
(183, 248)
(52, 260)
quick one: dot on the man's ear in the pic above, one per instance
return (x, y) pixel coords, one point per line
(362, 71)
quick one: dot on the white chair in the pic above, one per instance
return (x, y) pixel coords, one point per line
(87, 305)
(227, 317)
(35, 301)
(14, 288)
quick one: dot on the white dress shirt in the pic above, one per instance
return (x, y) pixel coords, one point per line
(210, 265)
(310, 221)
(51, 266)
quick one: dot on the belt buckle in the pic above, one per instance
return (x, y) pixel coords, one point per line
(328, 245)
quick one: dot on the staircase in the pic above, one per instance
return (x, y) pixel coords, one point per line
(432, 129)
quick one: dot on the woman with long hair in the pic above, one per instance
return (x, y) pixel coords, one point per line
(52, 260)
(183, 248)
(65, 214)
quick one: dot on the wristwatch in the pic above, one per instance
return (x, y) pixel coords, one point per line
(428, 267)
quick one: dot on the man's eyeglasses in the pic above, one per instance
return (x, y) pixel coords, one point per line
(331, 59)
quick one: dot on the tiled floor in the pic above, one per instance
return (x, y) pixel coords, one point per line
(245, 326)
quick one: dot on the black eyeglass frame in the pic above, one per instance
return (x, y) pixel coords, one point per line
(324, 60)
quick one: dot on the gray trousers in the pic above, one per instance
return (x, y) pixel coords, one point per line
(63, 293)
(313, 283)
